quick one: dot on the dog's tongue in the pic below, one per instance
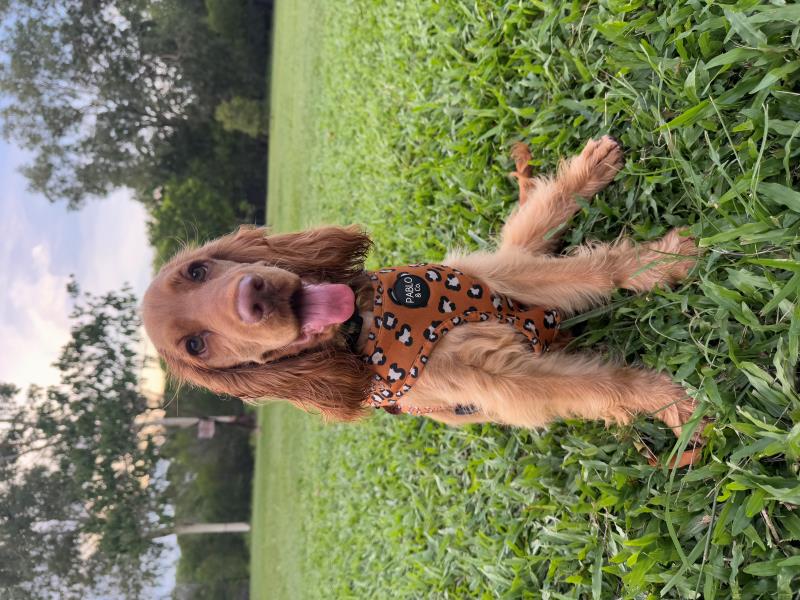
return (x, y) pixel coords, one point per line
(325, 304)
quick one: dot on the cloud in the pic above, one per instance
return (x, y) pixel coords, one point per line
(39, 304)
(41, 244)
(113, 245)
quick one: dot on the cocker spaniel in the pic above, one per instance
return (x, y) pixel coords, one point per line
(295, 316)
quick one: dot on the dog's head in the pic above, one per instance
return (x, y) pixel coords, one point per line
(255, 315)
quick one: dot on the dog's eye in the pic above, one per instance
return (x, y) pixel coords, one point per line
(195, 345)
(197, 271)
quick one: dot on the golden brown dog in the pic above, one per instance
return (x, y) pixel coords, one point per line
(263, 316)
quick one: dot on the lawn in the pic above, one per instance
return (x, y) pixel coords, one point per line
(400, 116)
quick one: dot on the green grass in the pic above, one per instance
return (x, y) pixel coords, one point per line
(279, 483)
(401, 118)
(291, 129)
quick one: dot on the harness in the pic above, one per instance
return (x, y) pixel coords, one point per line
(415, 307)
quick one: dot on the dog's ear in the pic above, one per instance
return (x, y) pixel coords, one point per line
(331, 254)
(331, 381)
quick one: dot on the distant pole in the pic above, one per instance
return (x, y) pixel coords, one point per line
(192, 421)
(212, 528)
(201, 528)
(206, 426)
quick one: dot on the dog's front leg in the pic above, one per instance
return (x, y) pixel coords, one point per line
(547, 203)
(585, 278)
(485, 365)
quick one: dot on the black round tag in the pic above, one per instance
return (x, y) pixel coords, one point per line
(410, 291)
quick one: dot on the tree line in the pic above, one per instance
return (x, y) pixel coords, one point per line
(166, 98)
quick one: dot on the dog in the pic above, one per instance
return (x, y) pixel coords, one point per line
(471, 339)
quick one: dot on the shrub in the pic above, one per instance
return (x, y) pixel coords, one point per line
(187, 211)
(244, 115)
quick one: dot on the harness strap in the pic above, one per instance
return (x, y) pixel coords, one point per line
(459, 409)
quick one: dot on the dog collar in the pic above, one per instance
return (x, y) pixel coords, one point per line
(351, 330)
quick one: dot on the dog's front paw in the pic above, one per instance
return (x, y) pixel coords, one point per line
(676, 413)
(664, 262)
(675, 254)
(598, 164)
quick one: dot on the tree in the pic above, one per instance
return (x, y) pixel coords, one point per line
(243, 114)
(210, 482)
(7, 392)
(98, 86)
(187, 211)
(80, 500)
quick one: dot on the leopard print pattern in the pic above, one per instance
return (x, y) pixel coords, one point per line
(415, 306)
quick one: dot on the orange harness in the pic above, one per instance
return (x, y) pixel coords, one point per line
(415, 306)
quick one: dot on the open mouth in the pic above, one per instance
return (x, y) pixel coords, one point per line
(320, 305)
(296, 301)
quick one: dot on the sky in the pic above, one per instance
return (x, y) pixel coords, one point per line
(104, 244)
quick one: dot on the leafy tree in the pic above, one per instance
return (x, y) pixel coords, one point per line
(243, 114)
(241, 25)
(7, 392)
(187, 211)
(210, 481)
(79, 502)
(98, 86)
(32, 549)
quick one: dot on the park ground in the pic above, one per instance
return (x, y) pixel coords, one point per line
(400, 116)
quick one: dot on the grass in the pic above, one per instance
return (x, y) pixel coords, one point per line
(291, 130)
(400, 117)
(279, 483)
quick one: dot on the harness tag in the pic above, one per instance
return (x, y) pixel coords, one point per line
(410, 291)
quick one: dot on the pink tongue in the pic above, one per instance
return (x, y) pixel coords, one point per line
(325, 304)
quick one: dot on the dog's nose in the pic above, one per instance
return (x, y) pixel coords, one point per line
(252, 302)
